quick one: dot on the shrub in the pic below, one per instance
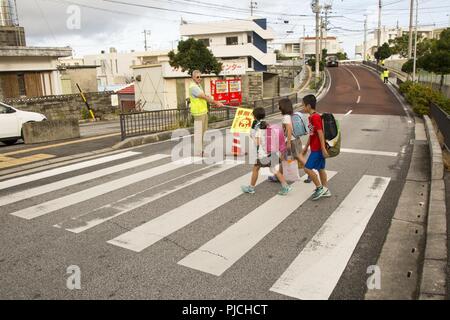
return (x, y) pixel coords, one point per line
(420, 97)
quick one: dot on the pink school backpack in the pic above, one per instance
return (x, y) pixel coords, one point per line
(275, 139)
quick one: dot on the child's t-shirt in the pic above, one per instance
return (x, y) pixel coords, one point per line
(260, 134)
(287, 120)
(315, 124)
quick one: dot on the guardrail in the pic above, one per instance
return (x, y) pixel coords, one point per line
(148, 122)
(442, 119)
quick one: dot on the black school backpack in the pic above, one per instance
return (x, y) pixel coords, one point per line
(330, 127)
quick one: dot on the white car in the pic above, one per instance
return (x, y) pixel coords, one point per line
(12, 120)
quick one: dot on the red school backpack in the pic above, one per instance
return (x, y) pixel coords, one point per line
(275, 139)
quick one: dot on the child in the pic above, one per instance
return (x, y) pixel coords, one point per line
(264, 160)
(319, 151)
(293, 144)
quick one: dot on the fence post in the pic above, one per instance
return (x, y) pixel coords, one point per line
(122, 126)
(273, 105)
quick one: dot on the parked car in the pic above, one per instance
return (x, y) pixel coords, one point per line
(332, 61)
(12, 120)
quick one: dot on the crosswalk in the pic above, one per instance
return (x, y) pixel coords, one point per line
(312, 275)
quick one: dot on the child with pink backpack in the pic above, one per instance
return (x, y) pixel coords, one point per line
(270, 143)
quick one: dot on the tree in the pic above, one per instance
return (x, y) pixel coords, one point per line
(194, 55)
(408, 66)
(438, 59)
(383, 52)
(342, 56)
(399, 45)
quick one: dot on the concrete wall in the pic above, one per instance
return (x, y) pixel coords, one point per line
(54, 130)
(65, 107)
(271, 85)
(85, 77)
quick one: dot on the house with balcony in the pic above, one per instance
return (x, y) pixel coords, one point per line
(241, 43)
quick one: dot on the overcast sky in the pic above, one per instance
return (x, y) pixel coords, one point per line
(105, 24)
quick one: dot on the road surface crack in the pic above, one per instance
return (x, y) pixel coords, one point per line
(214, 254)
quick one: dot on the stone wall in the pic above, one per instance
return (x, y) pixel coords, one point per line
(252, 86)
(64, 107)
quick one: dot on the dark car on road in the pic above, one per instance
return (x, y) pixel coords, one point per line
(332, 61)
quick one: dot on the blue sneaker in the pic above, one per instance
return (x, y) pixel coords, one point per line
(285, 190)
(248, 189)
(319, 193)
(273, 179)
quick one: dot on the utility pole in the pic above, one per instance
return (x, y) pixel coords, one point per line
(411, 11)
(327, 8)
(415, 42)
(365, 39)
(379, 24)
(146, 32)
(321, 39)
(253, 6)
(316, 9)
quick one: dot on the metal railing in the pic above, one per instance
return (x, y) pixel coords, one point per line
(149, 122)
(443, 122)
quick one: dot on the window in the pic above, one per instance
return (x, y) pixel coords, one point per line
(232, 41)
(249, 61)
(205, 41)
(249, 39)
(296, 48)
(22, 87)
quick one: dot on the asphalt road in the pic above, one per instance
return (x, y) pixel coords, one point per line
(202, 238)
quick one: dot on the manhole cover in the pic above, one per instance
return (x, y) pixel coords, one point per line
(371, 130)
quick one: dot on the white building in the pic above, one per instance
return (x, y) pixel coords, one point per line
(159, 86)
(114, 67)
(388, 33)
(290, 48)
(308, 46)
(241, 45)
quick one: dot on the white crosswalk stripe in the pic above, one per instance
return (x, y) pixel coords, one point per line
(78, 197)
(157, 229)
(33, 192)
(223, 251)
(315, 272)
(54, 172)
(89, 220)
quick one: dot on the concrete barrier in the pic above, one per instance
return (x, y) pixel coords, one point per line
(53, 130)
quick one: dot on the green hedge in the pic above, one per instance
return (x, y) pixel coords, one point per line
(420, 96)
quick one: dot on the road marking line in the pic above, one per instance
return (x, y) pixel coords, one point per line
(357, 82)
(58, 185)
(313, 275)
(89, 220)
(157, 229)
(61, 144)
(348, 113)
(219, 254)
(61, 170)
(372, 152)
(359, 100)
(78, 197)
(7, 162)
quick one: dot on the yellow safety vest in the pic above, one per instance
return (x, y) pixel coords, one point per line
(198, 106)
(386, 74)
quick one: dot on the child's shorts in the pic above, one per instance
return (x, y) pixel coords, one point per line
(315, 161)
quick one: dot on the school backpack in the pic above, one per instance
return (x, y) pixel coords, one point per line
(330, 127)
(275, 139)
(300, 125)
(334, 145)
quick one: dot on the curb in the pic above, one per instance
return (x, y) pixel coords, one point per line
(434, 276)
